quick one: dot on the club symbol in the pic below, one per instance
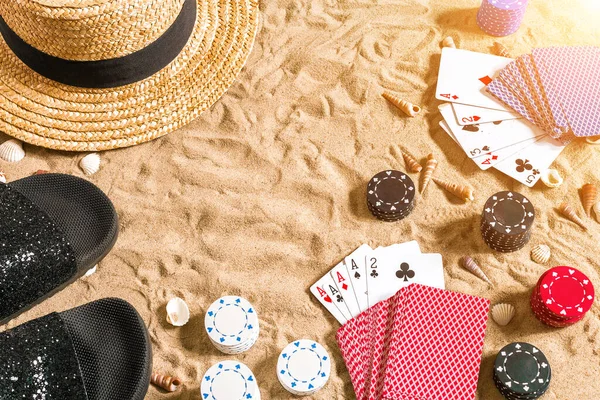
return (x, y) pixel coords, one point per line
(536, 171)
(339, 298)
(405, 272)
(523, 165)
(485, 148)
(374, 274)
(357, 275)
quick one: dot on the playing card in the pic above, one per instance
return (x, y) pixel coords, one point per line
(397, 272)
(351, 338)
(470, 115)
(435, 350)
(326, 291)
(527, 165)
(340, 276)
(357, 271)
(487, 160)
(463, 76)
(484, 138)
(384, 256)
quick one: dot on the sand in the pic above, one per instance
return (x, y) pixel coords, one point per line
(264, 193)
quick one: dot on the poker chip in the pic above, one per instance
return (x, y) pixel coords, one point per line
(232, 324)
(501, 17)
(229, 380)
(506, 221)
(390, 195)
(521, 371)
(563, 295)
(303, 367)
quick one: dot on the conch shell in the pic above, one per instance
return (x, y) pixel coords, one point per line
(503, 313)
(408, 108)
(552, 178)
(541, 254)
(501, 50)
(465, 193)
(571, 215)
(411, 164)
(12, 151)
(589, 194)
(90, 164)
(448, 42)
(470, 265)
(430, 166)
(166, 382)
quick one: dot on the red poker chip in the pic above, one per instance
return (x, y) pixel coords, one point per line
(566, 292)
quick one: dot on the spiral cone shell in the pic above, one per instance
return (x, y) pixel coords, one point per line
(411, 164)
(470, 265)
(430, 166)
(501, 50)
(593, 140)
(166, 382)
(589, 194)
(12, 151)
(408, 108)
(597, 211)
(463, 192)
(503, 313)
(571, 215)
(541, 254)
(448, 42)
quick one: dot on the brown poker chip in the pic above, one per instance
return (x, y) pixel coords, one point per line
(506, 221)
(390, 195)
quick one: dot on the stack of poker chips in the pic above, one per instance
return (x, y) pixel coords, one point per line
(390, 195)
(232, 324)
(562, 297)
(303, 367)
(229, 380)
(521, 371)
(501, 17)
(506, 221)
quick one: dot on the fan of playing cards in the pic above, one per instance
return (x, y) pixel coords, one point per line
(519, 122)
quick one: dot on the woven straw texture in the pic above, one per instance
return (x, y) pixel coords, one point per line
(49, 114)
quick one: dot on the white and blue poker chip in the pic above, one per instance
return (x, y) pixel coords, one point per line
(229, 380)
(303, 367)
(232, 324)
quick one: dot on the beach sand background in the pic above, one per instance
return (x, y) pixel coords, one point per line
(265, 192)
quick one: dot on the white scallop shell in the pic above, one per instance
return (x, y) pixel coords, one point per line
(178, 313)
(541, 254)
(597, 211)
(552, 178)
(12, 151)
(503, 313)
(90, 164)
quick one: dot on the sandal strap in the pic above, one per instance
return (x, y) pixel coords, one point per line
(35, 256)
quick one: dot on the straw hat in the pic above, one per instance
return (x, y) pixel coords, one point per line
(87, 75)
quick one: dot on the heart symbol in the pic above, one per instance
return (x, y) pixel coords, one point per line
(571, 271)
(476, 118)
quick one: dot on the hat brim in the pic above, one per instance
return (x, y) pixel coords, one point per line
(46, 113)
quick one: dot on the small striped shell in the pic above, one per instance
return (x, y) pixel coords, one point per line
(541, 254)
(12, 151)
(449, 42)
(589, 194)
(503, 313)
(597, 211)
(169, 383)
(90, 164)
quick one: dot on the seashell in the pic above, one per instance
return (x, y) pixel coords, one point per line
(448, 42)
(166, 382)
(589, 194)
(2, 177)
(571, 215)
(503, 313)
(593, 140)
(178, 313)
(408, 108)
(597, 211)
(465, 193)
(91, 271)
(552, 178)
(430, 166)
(541, 254)
(90, 164)
(501, 50)
(411, 164)
(12, 151)
(470, 265)
(41, 171)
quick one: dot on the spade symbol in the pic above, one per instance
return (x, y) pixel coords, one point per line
(357, 275)
(405, 272)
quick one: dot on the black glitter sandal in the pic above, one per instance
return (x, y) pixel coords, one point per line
(53, 229)
(98, 351)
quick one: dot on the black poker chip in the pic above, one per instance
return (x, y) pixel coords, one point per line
(506, 221)
(390, 195)
(522, 371)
